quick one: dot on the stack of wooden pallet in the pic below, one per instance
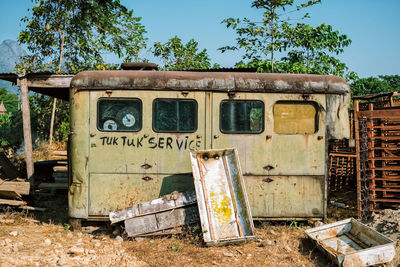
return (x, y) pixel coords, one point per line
(60, 174)
(11, 187)
(11, 192)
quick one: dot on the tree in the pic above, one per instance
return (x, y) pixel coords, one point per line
(41, 111)
(313, 48)
(262, 39)
(179, 56)
(11, 122)
(304, 49)
(373, 85)
(79, 32)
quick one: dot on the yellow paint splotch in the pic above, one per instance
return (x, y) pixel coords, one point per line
(221, 209)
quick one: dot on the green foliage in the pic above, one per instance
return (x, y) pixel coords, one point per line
(179, 56)
(305, 49)
(11, 135)
(41, 108)
(373, 85)
(67, 227)
(83, 30)
(11, 122)
(262, 39)
(294, 224)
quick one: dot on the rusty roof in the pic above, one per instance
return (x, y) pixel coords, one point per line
(210, 81)
(377, 95)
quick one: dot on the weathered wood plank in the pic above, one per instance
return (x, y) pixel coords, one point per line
(19, 187)
(60, 168)
(167, 202)
(53, 185)
(12, 202)
(9, 194)
(50, 81)
(154, 223)
(59, 153)
(26, 123)
(33, 208)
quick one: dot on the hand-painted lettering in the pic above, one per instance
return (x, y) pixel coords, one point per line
(152, 143)
(161, 142)
(139, 142)
(169, 142)
(123, 140)
(179, 143)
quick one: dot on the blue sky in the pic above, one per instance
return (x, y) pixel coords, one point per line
(373, 26)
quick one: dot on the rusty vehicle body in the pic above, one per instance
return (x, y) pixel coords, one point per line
(131, 133)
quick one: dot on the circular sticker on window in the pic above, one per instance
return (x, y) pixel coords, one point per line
(110, 125)
(128, 120)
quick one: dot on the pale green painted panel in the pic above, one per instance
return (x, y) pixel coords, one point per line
(286, 196)
(108, 192)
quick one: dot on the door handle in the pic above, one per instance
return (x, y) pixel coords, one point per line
(216, 136)
(268, 167)
(267, 180)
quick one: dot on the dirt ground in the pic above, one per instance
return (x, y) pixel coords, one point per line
(45, 239)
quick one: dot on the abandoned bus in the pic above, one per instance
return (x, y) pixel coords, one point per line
(132, 130)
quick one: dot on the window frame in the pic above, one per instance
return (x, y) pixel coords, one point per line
(175, 99)
(242, 100)
(115, 99)
(312, 103)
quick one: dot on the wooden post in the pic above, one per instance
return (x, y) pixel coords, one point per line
(358, 164)
(26, 122)
(53, 114)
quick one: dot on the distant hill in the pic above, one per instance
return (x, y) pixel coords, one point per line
(10, 53)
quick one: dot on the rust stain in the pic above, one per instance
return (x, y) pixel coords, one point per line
(86, 162)
(306, 141)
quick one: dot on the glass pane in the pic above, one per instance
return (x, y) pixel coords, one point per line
(242, 116)
(295, 118)
(121, 115)
(174, 115)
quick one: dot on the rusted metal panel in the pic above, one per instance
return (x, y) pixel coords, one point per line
(222, 200)
(157, 222)
(351, 243)
(170, 211)
(167, 202)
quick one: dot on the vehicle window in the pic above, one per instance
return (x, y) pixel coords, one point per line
(291, 117)
(242, 116)
(175, 115)
(119, 115)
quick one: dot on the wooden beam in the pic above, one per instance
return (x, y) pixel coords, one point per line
(53, 185)
(19, 187)
(12, 202)
(50, 81)
(9, 194)
(26, 122)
